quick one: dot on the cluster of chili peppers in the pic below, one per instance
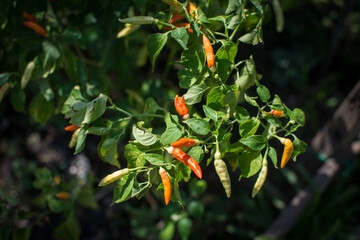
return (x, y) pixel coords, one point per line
(209, 51)
(33, 25)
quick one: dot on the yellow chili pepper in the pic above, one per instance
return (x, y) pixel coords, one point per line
(288, 150)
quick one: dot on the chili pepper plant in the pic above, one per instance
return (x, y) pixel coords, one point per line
(222, 113)
(217, 107)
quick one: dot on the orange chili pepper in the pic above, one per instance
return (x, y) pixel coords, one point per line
(36, 27)
(30, 17)
(190, 8)
(209, 52)
(180, 107)
(184, 142)
(277, 113)
(175, 18)
(288, 150)
(166, 183)
(71, 128)
(189, 161)
(62, 195)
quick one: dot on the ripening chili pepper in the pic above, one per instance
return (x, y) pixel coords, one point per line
(277, 113)
(62, 195)
(36, 27)
(192, 9)
(261, 178)
(166, 183)
(288, 150)
(30, 17)
(74, 138)
(184, 142)
(129, 28)
(180, 107)
(72, 128)
(185, 158)
(175, 18)
(57, 180)
(222, 172)
(209, 53)
(113, 177)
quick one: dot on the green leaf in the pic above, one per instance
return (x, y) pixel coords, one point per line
(249, 127)
(234, 22)
(181, 36)
(194, 94)
(71, 63)
(51, 54)
(212, 114)
(167, 233)
(45, 89)
(232, 6)
(248, 75)
(199, 126)
(255, 142)
(249, 163)
(43, 178)
(263, 93)
(56, 205)
(95, 109)
(154, 159)
(80, 144)
(257, 4)
(184, 228)
(4, 77)
(7, 197)
(74, 102)
(215, 98)
(109, 151)
(17, 99)
(26, 77)
(273, 156)
(132, 155)
(170, 135)
(155, 44)
(40, 109)
(196, 153)
(241, 114)
(251, 100)
(123, 189)
(187, 78)
(227, 51)
(299, 116)
(299, 147)
(69, 229)
(276, 102)
(144, 136)
(194, 58)
(253, 37)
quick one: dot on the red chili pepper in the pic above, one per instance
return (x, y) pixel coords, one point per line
(175, 18)
(180, 107)
(277, 113)
(166, 183)
(184, 142)
(36, 27)
(189, 161)
(209, 52)
(71, 128)
(30, 17)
